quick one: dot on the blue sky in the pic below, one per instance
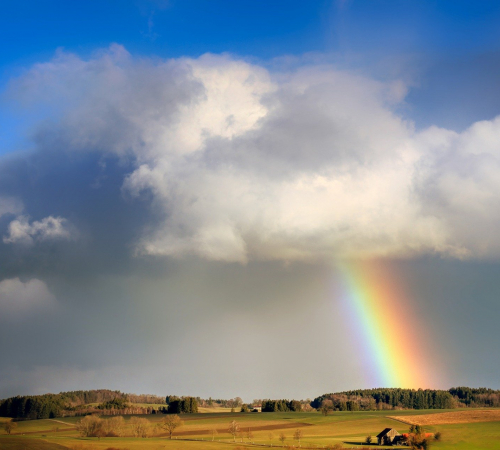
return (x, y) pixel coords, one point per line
(193, 165)
(32, 30)
(449, 49)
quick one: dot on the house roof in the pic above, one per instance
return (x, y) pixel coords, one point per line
(385, 431)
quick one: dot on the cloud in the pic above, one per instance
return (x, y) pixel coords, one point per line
(19, 298)
(49, 228)
(458, 182)
(236, 163)
(170, 170)
(10, 205)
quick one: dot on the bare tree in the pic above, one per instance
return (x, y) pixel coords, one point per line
(214, 433)
(326, 407)
(141, 427)
(90, 426)
(234, 403)
(171, 423)
(234, 429)
(10, 426)
(297, 435)
(114, 427)
(249, 434)
(271, 437)
(306, 407)
(282, 439)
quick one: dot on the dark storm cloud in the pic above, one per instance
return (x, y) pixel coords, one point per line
(85, 191)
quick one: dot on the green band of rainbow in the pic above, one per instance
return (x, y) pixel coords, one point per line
(390, 332)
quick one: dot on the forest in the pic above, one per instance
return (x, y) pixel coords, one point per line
(397, 398)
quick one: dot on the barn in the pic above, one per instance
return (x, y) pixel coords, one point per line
(388, 436)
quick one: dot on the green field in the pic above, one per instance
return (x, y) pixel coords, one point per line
(347, 428)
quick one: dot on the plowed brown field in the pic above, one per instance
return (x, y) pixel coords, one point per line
(451, 417)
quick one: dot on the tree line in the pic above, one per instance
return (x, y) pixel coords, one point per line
(115, 402)
(32, 407)
(146, 398)
(76, 398)
(281, 406)
(49, 406)
(476, 397)
(180, 405)
(224, 403)
(391, 398)
(75, 403)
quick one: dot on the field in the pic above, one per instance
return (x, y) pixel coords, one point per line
(469, 416)
(349, 429)
(214, 409)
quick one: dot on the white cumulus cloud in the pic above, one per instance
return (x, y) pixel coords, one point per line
(22, 231)
(242, 163)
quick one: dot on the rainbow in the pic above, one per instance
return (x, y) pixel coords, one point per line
(390, 335)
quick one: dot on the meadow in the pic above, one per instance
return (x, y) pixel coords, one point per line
(348, 429)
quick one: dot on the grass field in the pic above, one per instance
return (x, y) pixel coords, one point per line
(347, 428)
(214, 409)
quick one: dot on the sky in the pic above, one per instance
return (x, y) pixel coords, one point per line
(253, 199)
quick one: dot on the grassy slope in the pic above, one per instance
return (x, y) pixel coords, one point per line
(20, 442)
(347, 427)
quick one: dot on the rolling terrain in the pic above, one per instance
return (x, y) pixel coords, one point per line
(349, 429)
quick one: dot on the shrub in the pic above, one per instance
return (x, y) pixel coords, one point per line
(90, 426)
(140, 427)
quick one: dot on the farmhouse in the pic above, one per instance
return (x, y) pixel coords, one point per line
(388, 437)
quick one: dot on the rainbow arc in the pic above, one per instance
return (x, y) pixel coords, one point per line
(391, 336)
